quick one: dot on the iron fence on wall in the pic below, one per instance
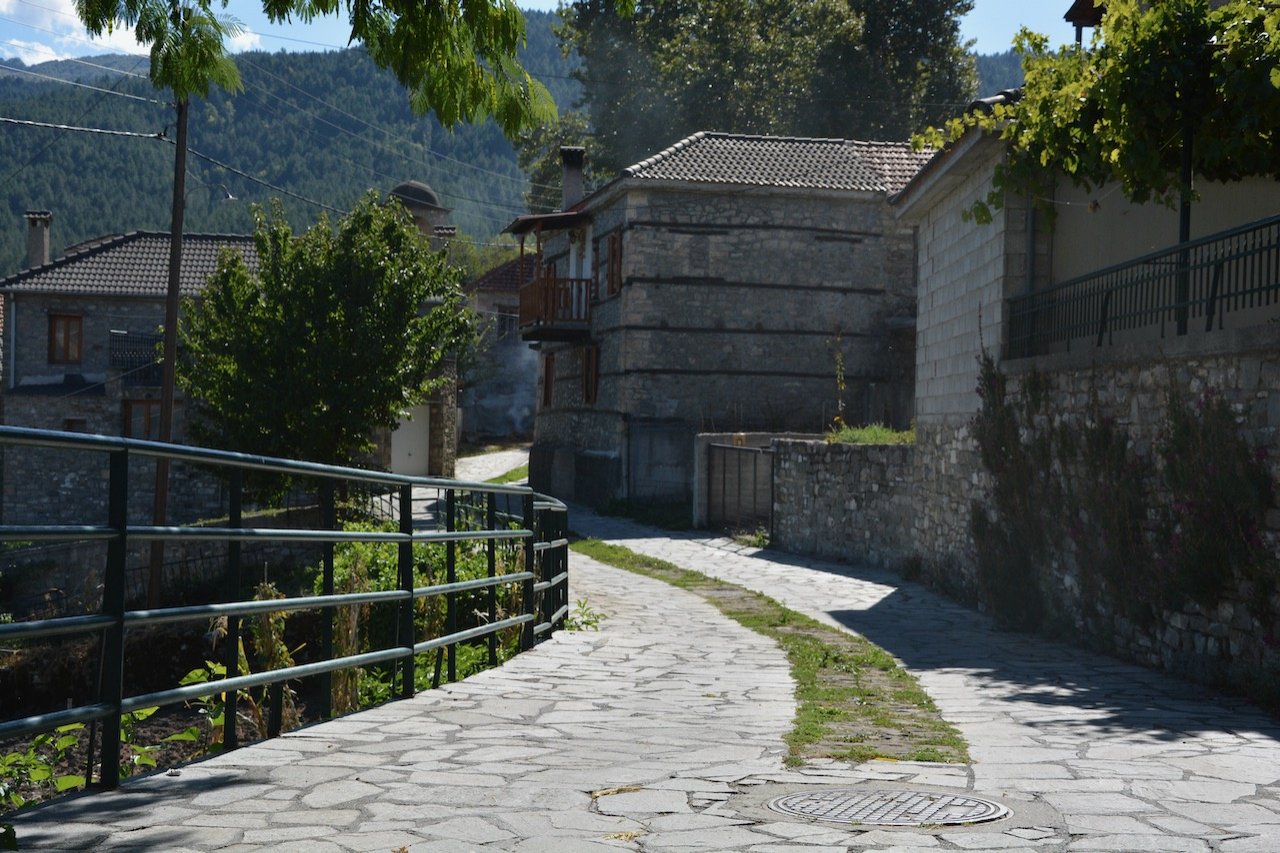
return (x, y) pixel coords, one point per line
(1191, 287)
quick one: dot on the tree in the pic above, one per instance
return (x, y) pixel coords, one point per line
(870, 69)
(1160, 82)
(538, 154)
(337, 333)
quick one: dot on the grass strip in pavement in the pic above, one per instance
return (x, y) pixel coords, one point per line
(515, 475)
(855, 703)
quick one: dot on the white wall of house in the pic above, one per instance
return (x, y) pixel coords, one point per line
(1089, 237)
(963, 267)
(411, 443)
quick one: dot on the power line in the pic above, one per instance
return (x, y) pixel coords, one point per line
(79, 85)
(77, 60)
(233, 170)
(100, 130)
(54, 141)
(384, 131)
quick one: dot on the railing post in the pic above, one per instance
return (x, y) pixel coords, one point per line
(451, 576)
(231, 654)
(491, 522)
(405, 629)
(1212, 307)
(329, 521)
(530, 524)
(113, 598)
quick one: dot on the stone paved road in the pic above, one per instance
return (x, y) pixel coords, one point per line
(1123, 759)
(662, 733)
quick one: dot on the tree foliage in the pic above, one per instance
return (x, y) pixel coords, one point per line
(872, 69)
(1118, 111)
(538, 154)
(326, 341)
(457, 58)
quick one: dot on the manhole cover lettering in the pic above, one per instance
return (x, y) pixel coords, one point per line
(889, 808)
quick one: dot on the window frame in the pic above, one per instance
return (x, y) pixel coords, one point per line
(150, 420)
(66, 339)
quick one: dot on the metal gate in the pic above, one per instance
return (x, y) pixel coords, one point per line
(739, 488)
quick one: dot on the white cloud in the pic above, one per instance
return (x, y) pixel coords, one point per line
(31, 52)
(244, 41)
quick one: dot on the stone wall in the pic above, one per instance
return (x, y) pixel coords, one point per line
(849, 502)
(1234, 642)
(53, 486)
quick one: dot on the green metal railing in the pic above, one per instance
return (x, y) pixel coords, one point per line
(534, 522)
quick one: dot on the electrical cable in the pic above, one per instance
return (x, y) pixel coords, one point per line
(79, 85)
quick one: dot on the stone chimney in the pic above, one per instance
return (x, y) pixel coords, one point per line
(38, 237)
(571, 158)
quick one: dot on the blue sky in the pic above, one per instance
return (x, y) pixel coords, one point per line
(40, 30)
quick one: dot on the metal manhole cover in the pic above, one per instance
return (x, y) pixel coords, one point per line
(889, 808)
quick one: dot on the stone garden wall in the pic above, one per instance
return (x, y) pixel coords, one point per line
(852, 502)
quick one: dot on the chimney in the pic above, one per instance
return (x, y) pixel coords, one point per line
(38, 237)
(571, 158)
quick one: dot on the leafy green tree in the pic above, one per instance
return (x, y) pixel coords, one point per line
(335, 334)
(871, 69)
(538, 154)
(1159, 79)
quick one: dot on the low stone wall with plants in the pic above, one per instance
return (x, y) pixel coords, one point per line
(1132, 506)
(851, 502)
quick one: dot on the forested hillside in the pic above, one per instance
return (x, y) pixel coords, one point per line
(325, 127)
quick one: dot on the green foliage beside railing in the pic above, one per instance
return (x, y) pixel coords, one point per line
(1142, 532)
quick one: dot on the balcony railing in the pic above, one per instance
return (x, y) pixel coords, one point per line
(135, 355)
(555, 308)
(1229, 279)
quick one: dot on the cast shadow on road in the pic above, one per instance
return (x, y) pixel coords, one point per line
(1052, 682)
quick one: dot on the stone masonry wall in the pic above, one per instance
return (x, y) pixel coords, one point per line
(851, 502)
(1234, 643)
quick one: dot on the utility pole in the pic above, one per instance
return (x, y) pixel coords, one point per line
(159, 515)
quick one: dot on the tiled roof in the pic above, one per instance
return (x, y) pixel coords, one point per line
(508, 276)
(135, 264)
(776, 161)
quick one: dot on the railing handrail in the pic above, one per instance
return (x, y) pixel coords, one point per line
(540, 525)
(247, 461)
(1151, 257)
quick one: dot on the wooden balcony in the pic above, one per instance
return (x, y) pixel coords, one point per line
(555, 309)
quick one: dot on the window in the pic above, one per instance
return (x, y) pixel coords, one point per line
(507, 321)
(614, 272)
(66, 332)
(548, 379)
(142, 419)
(75, 425)
(590, 373)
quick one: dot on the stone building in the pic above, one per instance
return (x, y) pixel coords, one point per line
(720, 285)
(80, 340)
